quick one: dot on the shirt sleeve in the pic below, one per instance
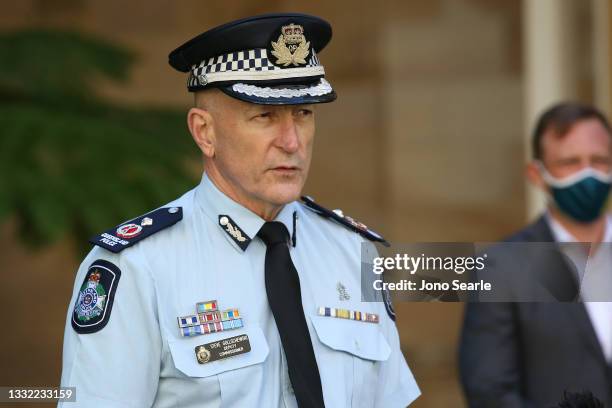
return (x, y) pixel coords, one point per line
(396, 386)
(116, 364)
(396, 383)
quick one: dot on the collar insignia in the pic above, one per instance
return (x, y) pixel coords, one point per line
(233, 230)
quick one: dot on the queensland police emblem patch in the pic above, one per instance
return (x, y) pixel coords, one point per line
(95, 300)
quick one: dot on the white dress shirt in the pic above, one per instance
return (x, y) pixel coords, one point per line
(595, 283)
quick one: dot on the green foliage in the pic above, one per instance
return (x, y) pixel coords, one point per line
(71, 163)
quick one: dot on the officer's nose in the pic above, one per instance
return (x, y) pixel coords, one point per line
(288, 138)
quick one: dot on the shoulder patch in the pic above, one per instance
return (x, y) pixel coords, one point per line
(95, 301)
(133, 231)
(344, 220)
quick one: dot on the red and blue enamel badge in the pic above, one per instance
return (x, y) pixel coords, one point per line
(129, 231)
(93, 306)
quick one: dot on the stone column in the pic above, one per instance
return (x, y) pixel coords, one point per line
(550, 68)
(600, 40)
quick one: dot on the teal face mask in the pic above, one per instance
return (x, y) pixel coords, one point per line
(581, 195)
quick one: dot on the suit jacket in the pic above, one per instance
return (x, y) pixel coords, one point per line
(528, 354)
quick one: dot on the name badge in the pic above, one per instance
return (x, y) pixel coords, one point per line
(218, 350)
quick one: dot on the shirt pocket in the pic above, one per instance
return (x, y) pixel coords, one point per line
(365, 348)
(229, 382)
(184, 357)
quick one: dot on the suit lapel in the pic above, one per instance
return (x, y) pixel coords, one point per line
(539, 231)
(577, 313)
(553, 271)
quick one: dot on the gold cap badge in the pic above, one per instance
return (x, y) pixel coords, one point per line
(291, 48)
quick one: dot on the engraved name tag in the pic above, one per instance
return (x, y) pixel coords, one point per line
(218, 350)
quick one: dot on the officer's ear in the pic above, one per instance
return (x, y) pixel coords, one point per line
(200, 123)
(534, 175)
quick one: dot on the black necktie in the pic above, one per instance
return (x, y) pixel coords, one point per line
(285, 299)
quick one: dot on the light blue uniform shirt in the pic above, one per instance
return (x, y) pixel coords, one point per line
(139, 359)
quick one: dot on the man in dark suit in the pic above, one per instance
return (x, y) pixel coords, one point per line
(528, 354)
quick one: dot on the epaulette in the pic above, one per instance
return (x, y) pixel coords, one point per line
(345, 220)
(133, 231)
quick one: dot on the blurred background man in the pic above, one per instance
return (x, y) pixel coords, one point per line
(528, 354)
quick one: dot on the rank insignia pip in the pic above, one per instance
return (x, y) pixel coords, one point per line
(95, 300)
(340, 218)
(291, 47)
(133, 231)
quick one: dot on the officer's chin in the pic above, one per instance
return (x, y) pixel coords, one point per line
(284, 193)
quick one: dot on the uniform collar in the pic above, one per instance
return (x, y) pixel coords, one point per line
(239, 224)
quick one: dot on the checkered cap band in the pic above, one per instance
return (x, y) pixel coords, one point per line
(254, 64)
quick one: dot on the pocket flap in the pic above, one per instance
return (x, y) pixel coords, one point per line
(183, 353)
(361, 339)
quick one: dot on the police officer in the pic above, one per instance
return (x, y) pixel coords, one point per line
(237, 294)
